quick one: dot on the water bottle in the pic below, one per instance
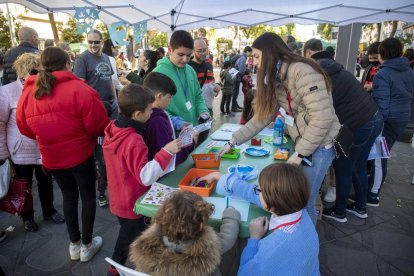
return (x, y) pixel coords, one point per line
(278, 131)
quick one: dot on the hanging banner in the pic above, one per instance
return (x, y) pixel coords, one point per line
(85, 18)
(118, 33)
(139, 31)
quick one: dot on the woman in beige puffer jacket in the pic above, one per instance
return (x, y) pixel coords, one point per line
(302, 89)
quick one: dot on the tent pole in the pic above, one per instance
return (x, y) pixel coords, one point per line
(347, 46)
(11, 26)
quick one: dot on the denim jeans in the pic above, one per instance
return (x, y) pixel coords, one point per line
(353, 169)
(236, 90)
(72, 182)
(391, 131)
(321, 160)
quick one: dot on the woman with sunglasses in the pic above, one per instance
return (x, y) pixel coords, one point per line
(23, 151)
(302, 88)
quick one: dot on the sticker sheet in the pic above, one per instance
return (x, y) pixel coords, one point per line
(157, 194)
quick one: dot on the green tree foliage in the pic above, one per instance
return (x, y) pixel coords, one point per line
(5, 39)
(222, 40)
(255, 31)
(69, 34)
(325, 30)
(159, 40)
(103, 29)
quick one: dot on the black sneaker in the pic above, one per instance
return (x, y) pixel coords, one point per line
(360, 213)
(2, 235)
(56, 218)
(373, 200)
(30, 225)
(102, 201)
(330, 213)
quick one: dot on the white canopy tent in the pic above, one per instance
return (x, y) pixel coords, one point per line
(167, 15)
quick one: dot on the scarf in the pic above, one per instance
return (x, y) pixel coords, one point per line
(124, 122)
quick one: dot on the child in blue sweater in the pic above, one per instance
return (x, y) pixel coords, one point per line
(292, 247)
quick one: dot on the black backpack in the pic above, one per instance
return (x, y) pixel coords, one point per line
(233, 61)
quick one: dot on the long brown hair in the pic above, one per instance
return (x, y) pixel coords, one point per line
(285, 188)
(52, 59)
(274, 50)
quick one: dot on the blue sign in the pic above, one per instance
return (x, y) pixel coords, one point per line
(118, 33)
(139, 31)
(85, 18)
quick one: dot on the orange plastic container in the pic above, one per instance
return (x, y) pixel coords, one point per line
(191, 174)
(205, 160)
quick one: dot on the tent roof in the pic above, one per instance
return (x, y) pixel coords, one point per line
(192, 14)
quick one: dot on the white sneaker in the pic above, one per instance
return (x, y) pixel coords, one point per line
(74, 251)
(330, 195)
(86, 253)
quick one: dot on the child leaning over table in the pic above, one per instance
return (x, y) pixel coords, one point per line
(180, 242)
(292, 247)
(159, 127)
(128, 170)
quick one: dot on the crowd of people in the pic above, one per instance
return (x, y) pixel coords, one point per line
(86, 120)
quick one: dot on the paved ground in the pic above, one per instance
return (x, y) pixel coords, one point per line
(381, 245)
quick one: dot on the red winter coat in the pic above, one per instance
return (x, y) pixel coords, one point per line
(65, 124)
(128, 170)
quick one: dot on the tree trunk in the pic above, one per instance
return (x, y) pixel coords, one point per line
(378, 32)
(394, 28)
(54, 28)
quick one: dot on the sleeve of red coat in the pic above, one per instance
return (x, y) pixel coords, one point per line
(94, 115)
(147, 172)
(21, 116)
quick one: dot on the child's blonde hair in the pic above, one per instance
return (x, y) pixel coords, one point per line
(182, 216)
(26, 63)
(285, 188)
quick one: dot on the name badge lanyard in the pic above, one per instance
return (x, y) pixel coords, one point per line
(181, 82)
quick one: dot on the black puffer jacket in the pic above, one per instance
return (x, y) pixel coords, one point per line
(353, 105)
(11, 56)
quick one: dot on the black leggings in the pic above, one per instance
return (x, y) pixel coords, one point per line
(226, 99)
(129, 231)
(72, 182)
(44, 186)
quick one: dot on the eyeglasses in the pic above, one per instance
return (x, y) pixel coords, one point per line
(94, 41)
(200, 51)
(257, 190)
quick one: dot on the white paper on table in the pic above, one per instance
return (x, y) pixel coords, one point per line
(266, 132)
(242, 147)
(158, 193)
(220, 205)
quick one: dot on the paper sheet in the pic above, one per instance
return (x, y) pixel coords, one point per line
(220, 205)
(157, 194)
(266, 132)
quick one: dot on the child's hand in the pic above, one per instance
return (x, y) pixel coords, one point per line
(173, 147)
(368, 87)
(196, 134)
(211, 177)
(258, 227)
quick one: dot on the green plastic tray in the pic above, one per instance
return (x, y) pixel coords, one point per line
(234, 155)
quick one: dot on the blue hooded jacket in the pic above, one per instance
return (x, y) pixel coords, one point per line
(393, 88)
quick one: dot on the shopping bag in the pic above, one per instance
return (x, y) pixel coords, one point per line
(379, 150)
(19, 199)
(5, 176)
